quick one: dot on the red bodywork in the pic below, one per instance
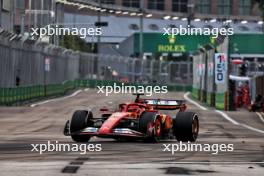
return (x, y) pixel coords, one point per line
(133, 111)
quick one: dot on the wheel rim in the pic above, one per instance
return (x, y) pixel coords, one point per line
(157, 128)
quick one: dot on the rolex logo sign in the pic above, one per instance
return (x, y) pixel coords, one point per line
(172, 39)
(171, 47)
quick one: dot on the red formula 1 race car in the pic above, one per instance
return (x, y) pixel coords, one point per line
(140, 119)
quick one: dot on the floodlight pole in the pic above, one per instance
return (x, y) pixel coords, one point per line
(141, 29)
(190, 9)
(29, 17)
(22, 23)
(0, 13)
(42, 8)
(99, 21)
(13, 15)
(261, 5)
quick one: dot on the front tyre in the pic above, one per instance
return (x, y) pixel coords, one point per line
(150, 124)
(186, 126)
(80, 120)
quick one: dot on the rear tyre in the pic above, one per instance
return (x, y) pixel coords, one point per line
(80, 120)
(186, 126)
(150, 124)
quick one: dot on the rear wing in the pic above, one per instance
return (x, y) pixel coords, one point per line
(162, 104)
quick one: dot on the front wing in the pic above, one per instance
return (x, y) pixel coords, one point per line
(116, 132)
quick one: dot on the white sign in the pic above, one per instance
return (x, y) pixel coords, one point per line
(47, 64)
(220, 68)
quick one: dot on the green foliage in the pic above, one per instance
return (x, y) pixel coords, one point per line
(75, 43)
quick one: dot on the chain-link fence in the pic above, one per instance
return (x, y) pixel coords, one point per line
(146, 71)
(23, 62)
(32, 70)
(27, 62)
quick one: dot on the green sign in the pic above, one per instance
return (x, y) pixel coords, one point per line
(159, 43)
(246, 44)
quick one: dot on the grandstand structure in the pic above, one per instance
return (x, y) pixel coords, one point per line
(124, 23)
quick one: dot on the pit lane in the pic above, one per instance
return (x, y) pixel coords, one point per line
(21, 126)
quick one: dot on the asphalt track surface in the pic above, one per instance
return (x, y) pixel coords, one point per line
(22, 126)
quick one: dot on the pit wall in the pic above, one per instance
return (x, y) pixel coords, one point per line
(204, 88)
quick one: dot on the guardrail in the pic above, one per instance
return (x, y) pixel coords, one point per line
(19, 95)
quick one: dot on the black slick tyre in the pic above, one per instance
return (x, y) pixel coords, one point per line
(80, 120)
(150, 124)
(186, 126)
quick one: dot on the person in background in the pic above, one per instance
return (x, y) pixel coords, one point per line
(245, 95)
(258, 104)
(18, 78)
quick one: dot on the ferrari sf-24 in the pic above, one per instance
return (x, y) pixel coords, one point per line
(138, 120)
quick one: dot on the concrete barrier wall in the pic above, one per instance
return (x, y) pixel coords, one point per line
(204, 87)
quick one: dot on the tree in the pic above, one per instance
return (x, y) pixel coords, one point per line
(75, 43)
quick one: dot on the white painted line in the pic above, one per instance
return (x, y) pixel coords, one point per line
(223, 114)
(227, 117)
(252, 128)
(56, 99)
(193, 102)
(86, 89)
(260, 116)
(237, 123)
(215, 162)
